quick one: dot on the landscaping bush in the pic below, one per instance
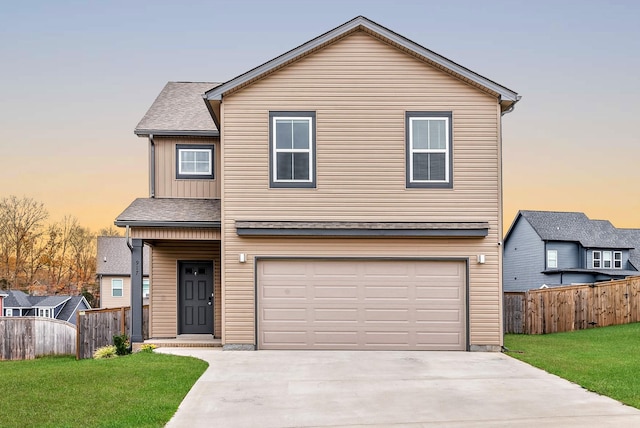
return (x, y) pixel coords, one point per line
(121, 343)
(108, 351)
(147, 347)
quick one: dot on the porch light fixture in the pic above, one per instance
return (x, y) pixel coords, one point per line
(242, 258)
(480, 259)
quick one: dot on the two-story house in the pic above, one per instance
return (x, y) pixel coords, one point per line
(344, 195)
(19, 304)
(546, 248)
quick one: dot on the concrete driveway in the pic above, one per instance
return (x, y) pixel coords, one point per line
(384, 389)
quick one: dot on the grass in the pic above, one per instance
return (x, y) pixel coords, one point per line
(141, 390)
(605, 360)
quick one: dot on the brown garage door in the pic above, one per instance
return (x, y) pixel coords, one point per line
(361, 304)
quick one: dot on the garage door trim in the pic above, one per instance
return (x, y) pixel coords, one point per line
(465, 260)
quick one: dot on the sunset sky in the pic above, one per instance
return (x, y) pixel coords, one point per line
(77, 76)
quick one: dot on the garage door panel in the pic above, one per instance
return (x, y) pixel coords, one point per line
(361, 304)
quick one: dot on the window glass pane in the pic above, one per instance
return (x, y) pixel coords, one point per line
(202, 156)
(421, 166)
(300, 134)
(437, 166)
(284, 168)
(187, 155)
(202, 167)
(301, 166)
(284, 134)
(420, 129)
(437, 134)
(187, 167)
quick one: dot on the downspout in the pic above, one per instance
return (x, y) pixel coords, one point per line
(152, 167)
(127, 238)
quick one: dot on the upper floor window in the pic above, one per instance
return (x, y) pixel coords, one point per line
(606, 259)
(292, 148)
(146, 287)
(116, 288)
(617, 259)
(597, 259)
(8, 312)
(552, 259)
(194, 161)
(45, 312)
(429, 149)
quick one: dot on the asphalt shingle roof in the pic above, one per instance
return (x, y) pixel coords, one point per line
(49, 301)
(114, 256)
(150, 211)
(17, 299)
(575, 227)
(69, 309)
(179, 108)
(633, 238)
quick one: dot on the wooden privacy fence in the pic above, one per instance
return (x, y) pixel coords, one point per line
(577, 307)
(96, 328)
(26, 338)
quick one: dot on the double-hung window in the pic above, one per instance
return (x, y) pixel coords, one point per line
(617, 259)
(8, 312)
(597, 259)
(194, 161)
(606, 259)
(116, 288)
(552, 259)
(429, 149)
(292, 149)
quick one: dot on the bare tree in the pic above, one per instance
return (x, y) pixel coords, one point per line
(109, 231)
(21, 222)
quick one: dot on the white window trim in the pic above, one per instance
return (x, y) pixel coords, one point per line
(45, 312)
(210, 166)
(8, 312)
(607, 257)
(598, 259)
(292, 150)
(550, 259)
(446, 150)
(113, 281)
(619, 259)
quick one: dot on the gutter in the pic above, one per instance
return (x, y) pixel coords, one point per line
(511, 107)
(152, 167)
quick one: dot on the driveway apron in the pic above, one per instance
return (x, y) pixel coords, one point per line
(386, 389)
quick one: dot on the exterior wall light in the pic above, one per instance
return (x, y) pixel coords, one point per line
(242, 258)
(481, 259)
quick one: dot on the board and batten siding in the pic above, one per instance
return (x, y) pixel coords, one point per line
(166, 183)
(360, 89)
(164, 277)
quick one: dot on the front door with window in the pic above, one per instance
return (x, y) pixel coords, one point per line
(196, 298)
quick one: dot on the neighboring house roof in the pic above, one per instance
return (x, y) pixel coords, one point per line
(573, 227)
(632, 236)
(17, 299)
(179, 110)
(507, 97)
(171, 212)
(114, 257)
(610, 272)
(74, 303)
(48, 301)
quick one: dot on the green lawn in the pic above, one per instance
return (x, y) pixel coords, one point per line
(141, 390)
(605, 360)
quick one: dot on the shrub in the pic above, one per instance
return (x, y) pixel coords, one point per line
(147, 347)
(108, 351)
(121, 343)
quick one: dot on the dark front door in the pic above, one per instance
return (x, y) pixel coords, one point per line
(196, 298)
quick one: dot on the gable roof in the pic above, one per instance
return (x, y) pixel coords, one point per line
(48, 301)
(171, 212)
(572, 227)
(179, 110)
(17, 299)
(71, 306)
(506, 96)
(632, 237)
(114, 257)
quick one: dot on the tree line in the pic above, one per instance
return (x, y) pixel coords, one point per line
(46, 258)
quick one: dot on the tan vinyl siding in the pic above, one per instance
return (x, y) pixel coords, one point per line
(166, 184)
(107, 300)
(152, 233)
(360, 89)
(164, 280)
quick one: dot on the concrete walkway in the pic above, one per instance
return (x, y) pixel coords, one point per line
(386, 389)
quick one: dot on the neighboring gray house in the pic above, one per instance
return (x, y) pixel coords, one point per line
(561, 248)
(20, 304)
(113, 269)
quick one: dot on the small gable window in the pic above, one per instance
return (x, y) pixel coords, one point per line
(292, 149)
(194, 161)
(552, 259)
(116, 288)
(429, 149)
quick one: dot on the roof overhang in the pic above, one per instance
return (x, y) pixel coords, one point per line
(185, 133)
(361, 229)
(608, 272)
(178, 224)
(506, 96)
